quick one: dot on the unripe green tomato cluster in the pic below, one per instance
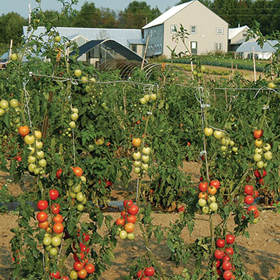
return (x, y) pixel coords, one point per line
(148, 98)
(12, 107)
(76, 193)
(141, 160)
(36, 159)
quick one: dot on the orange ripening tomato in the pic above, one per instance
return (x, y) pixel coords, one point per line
(258, 134)
(58, 219)
(203, 195)
(90, 268)
(212, 190)
(42, 216)
(43, 225)
(136, 142)
(129, 227)
(23, 130)
(58, 228)
(82, 273)
(78, 171)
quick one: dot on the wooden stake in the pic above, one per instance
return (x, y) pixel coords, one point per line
(146, 47)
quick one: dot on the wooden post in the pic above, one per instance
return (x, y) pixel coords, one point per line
(254, 64)
(11, 49)
(146, 47)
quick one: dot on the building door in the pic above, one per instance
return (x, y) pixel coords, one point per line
(194, 47)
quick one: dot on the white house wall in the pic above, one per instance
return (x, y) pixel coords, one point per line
(207, 25)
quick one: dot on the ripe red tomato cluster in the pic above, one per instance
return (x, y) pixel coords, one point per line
(206, 196)
(224, 257)
(143, 274)
(260, 175)
(127, 220)
(81, 267)
(56, 275)
(249, 199)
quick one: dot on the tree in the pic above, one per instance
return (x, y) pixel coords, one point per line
(137, 14)
(11, 26)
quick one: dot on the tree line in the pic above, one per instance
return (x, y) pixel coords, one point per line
(137, 14)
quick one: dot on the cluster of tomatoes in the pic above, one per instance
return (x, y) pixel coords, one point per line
(141, 158)
(36, 159)
(144, 274)
(148, 97)
(206, 196)
(72, 124)
(13, 108)
(127, 220)
(81, 267)
(262, 151)
(250, 195)
(224, 257)
(227, 144)
(55, 228)
(76, 192)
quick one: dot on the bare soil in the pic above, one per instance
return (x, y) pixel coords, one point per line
(260, 252)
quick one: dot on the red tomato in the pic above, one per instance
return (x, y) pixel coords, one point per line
(42, 216)
(42, 204)
(90, 268)
(229, 251)
(55, 275)
(55, 208)
(215, 183)
(127, 203)
(257, 173)
(140, 274)
(258, 134)
(58, 219)
(149, 271)
(261, 181)
(133, 209)
(78, 266)
(65, 278)
(58, 173)
(84, 248)
(220, 243)
(120, 221)
(264, 173)
(248, 199)
(226, 258)
(217, 263)
(124, 214)
(219, 254)
(255, 210)
(226, 265)
(131, 219)
(108, 184)
(256, 194)
(54, 194)
(78, 257)
(58, 228)
(248, 189)
(181, 209)
(227, 275)
(230, 238)
(203, 186)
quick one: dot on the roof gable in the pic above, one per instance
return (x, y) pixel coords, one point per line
(232, 32)
(168, 14)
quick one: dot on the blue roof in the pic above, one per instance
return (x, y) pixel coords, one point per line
(120, 35)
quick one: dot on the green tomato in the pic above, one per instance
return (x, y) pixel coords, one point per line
(153, 96)
(146, 150)
(80, 196)
(73, 274)
(57, 38)
(131, 236)
(80, 207)
(73, 195)
(218, 134)
(42, 162)
(4, 104)
(257, 157)
(40, 154)
(2, 112)
(77, 188)
(72, 124)
(90, 147)
(29, 139)
(268, 155)
(202, 202)
(142, 100)
(77, 73)
(205, 209)
(39, 144)
(53, 251)
(213, 206)
(56, 241)
(208, 131)
(31, 167)
(137, 163)
(123, 234)
(31, 159)
(14, 103)
(47, 241)
(74, 116)
(145, 158)
(136, 155)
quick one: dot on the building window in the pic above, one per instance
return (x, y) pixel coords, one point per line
(193, 29)
(218, 46)
(245, 33)
(173, 28)
(219, 31)
(133, 48)
(194, 47)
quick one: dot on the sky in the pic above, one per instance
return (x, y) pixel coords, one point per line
(21, 6)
